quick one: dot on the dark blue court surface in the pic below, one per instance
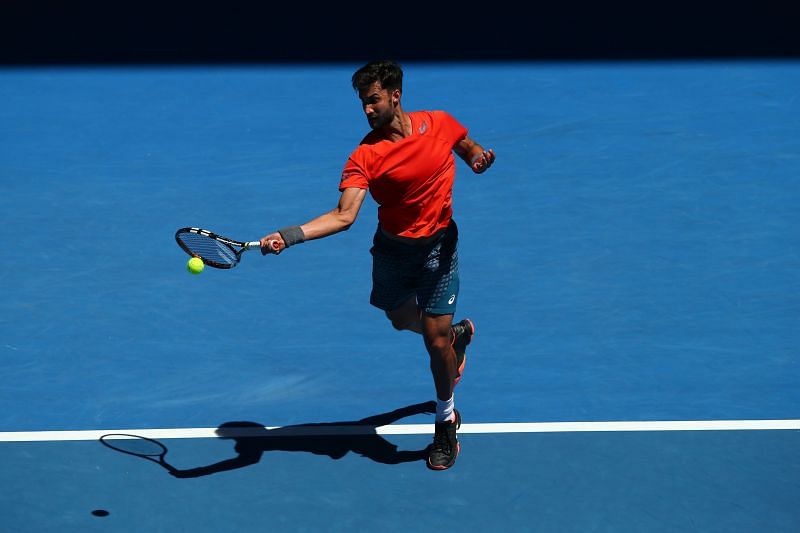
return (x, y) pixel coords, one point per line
(697, 481)
(632, 256)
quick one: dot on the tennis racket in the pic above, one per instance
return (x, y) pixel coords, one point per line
(215, 250)
(149, 449)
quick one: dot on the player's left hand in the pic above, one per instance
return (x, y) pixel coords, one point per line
(482, 161)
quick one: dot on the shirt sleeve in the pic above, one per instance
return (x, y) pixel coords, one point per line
(450, 128)
(355, 173)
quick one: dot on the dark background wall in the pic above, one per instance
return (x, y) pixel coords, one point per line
(134, 32)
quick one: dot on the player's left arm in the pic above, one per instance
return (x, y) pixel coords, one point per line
(474, 155)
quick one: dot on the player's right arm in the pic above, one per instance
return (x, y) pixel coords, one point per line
(338, 219)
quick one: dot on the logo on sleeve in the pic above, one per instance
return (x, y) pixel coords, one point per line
(423, 128)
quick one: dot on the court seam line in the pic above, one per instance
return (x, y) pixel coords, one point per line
(334, 429)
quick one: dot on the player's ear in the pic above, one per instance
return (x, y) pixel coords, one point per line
(396, 96)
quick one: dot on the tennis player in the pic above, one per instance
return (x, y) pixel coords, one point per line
(406, 163)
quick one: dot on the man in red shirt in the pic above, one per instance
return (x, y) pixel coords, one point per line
(406, 163)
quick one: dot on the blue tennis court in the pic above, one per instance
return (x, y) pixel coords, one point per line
(631, 263)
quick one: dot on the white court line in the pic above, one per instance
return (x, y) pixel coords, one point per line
(410, 429)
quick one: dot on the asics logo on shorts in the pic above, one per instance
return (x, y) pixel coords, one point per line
(452, 299)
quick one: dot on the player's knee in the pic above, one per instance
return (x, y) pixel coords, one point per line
(438, 346)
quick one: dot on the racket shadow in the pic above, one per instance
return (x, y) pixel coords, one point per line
(336, 439)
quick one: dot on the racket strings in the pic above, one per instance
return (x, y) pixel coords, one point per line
(209, 249)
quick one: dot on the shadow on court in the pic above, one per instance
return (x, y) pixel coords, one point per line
(335, 439)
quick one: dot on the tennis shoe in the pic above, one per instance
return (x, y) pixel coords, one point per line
(444, 450)
(461, 333)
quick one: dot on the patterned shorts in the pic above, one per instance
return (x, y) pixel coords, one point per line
(429, 272)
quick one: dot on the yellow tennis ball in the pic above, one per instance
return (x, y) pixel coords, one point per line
(195, 265)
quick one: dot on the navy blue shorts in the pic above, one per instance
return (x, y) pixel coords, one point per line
(428, 272)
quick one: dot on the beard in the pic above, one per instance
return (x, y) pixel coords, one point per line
(381, 120)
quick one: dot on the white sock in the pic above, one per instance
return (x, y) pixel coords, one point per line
(444, 409)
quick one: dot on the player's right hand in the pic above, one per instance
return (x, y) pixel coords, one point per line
(272, 244)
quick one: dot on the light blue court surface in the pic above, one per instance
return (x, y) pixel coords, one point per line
(633, 255)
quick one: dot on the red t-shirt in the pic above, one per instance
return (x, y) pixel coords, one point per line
(411, 179)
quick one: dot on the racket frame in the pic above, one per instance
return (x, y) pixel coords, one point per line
(237, 247)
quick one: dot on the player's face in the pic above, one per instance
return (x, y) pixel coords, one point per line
(378, 105)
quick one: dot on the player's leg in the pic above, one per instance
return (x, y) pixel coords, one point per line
(436, 330)
(394, 284)
(437, 295)
(438, 290)
(407, 316)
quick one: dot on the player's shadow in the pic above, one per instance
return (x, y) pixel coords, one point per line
(335, 440)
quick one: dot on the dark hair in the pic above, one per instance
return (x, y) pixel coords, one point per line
(385, 71)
